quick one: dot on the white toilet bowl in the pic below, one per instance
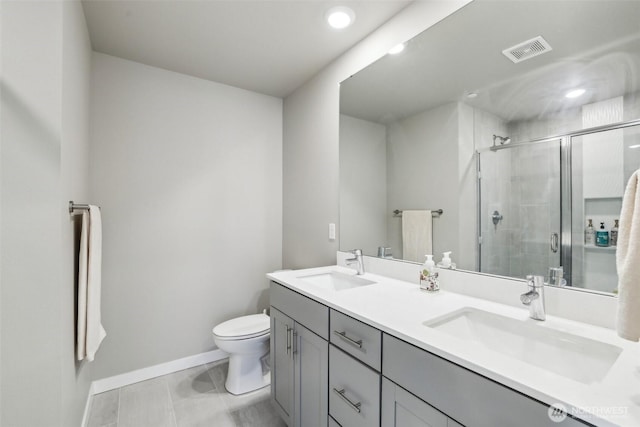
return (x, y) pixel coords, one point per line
(246, 339)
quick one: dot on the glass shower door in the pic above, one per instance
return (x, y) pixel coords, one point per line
(601, 164)
(520, 209)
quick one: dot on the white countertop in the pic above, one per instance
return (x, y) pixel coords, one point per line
(399, 308)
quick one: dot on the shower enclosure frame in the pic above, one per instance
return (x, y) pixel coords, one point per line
(566, 225)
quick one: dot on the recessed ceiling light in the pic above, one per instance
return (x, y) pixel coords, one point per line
(340, 17)
(472, 95)
(575, 93)
(396, 49)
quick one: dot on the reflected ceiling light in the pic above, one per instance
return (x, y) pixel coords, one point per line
(635, 146)
(574, 93)
(340, 17)
(396, 49)
(472, 95)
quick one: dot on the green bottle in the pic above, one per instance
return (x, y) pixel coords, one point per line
(602, 236)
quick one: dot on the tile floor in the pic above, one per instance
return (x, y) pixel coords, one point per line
(191, 398)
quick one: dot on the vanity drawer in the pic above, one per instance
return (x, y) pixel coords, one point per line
(360, 340)
(354, 391)
(313, 315)
(472, 399)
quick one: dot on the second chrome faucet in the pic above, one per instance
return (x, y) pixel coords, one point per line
(534, 297)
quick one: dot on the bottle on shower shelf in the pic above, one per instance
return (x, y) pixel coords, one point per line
(590, 234)
(613, 241)
(602, 236)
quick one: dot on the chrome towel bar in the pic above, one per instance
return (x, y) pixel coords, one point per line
(73, 207)
(436, 212)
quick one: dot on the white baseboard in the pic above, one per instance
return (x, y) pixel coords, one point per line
(117, 381)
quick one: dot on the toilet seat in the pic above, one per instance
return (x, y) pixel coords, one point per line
(244, 327)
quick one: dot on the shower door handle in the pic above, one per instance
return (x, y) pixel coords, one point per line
(555, 242)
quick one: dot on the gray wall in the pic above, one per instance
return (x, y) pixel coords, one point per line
(423, 173)
(188, 175)
(45, 74)
(363, 185)
(311, 134)
(74, 179)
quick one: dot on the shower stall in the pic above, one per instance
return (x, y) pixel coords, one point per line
(535, 199)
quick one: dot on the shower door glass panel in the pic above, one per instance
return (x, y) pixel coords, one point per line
(601, 165)
(520, 210)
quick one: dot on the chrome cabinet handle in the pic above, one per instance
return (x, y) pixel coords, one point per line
(351, 341)
(288, 340)
(354, 406)
(294, 338)
(555, 240)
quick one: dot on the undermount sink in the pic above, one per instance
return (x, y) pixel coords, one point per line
(575, 357)
(336, 281)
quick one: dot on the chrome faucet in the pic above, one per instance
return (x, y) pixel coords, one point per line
(357, 259)
(534, 298)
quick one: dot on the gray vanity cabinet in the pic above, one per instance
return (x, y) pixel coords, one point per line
(357, 376)
(282, 364)
(310, 375)
(472, 399)
(402, 409)
(299, 358)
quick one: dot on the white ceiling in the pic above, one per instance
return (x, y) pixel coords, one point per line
(266, 46)
(596, 45)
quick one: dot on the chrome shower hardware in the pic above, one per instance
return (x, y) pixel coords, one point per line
(496, 217)
(503, 140)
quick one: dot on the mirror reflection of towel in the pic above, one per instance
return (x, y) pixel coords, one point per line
(628, 262)
(417, 235)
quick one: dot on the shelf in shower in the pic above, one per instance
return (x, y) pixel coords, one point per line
(600, 248)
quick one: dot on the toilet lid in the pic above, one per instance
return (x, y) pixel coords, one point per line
(243, 327)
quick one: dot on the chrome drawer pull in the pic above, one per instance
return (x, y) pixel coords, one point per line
(354, 406)
(351, 341)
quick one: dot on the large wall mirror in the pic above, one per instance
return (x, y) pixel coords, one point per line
(498, 134)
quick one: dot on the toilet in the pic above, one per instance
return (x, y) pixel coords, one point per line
(246, 339)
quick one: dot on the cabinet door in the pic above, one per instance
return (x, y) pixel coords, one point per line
(402, 409)
(282, 364)
(311, 355)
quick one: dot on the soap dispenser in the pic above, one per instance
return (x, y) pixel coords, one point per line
(429, 276)
(427, 271)
(602, 236)
(446, 261)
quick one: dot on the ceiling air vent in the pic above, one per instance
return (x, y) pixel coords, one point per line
(525, 50)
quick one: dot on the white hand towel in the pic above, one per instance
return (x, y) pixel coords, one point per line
(89, 328)
(417, 232)
(628, 262)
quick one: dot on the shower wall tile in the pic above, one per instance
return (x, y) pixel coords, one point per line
(632, 106)
(495, 189)
(549, 125)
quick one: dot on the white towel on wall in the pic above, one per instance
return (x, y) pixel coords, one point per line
(90, 332)
(417, 235)
(628, 262)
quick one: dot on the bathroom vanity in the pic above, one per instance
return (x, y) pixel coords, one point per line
(367, 350)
